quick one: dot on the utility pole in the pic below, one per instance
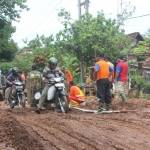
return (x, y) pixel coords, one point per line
(81, 4)
(79, 8)
(86, 7)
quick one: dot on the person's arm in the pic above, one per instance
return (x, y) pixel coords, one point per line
(111, 70)
(96, 69)
(61, 74)
(118, 70)
(9, 80)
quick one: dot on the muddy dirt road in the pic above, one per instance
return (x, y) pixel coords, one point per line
(76, 130)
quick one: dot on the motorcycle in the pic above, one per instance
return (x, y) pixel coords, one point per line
(58, 96)
(19, 97)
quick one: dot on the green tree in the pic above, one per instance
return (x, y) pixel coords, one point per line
(40, 42)
(7, 46)
(89, 36)
(142, 47)
(9, 11)
(47, 41)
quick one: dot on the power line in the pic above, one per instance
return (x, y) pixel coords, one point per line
(138, 16)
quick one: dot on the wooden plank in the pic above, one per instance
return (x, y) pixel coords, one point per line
(102, 112)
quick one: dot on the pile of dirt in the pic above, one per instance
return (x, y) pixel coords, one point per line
(14, 135)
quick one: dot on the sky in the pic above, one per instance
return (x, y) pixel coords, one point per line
(42, 18)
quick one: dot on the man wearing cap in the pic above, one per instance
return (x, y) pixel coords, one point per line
(103, 72)
(121, 78)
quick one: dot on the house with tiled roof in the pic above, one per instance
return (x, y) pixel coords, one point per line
(135, 37)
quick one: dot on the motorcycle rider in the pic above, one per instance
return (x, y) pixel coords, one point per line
(10, 90)
(49, 72)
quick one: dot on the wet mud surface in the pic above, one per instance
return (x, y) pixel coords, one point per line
(26, 130)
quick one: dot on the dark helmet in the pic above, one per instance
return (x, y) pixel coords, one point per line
(107, 57)
(52, 62)
(101, 55)
(15, 70)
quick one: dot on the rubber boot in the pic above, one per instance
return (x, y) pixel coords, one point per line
(107, 107)
(101, 107)
(123, 96)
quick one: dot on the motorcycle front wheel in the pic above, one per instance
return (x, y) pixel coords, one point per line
(22, 100)
(63, 102)
(12, 101)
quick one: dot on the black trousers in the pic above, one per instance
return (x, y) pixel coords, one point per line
(103, 91)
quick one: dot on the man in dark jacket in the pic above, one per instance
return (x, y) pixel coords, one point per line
(103, 72)
(10, 90)
(49, 71)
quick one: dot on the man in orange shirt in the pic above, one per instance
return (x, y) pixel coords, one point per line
(103, 72)
(68, 75)
(75, 94)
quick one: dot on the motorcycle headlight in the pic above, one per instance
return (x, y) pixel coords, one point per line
(37, 96)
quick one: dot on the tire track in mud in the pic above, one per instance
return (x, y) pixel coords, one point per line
(96, 144)
(47, 143)
(77, 136)
(131, 126)
(127, 125)
(134, 124)
(71, 141)
(82, 131)
(48, 135)
(100, 139)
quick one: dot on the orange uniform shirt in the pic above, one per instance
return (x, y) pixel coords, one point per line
(104, 69)
(76, 94)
